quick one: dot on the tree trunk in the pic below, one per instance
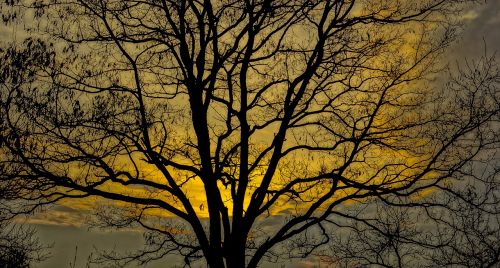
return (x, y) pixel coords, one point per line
(235, 258)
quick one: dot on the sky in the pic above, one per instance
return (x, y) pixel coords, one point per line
(65, 227)
(483, 29)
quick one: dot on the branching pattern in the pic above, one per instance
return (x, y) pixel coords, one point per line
(222, 115)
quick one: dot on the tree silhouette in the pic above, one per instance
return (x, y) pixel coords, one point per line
(237, 130)
(19, 245)
(456, 226)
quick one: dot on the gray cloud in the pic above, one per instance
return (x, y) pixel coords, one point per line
(482, 29)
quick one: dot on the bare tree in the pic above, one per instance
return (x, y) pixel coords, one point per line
(19, 244)
(455, 226)
(213, 120)
(458, 228)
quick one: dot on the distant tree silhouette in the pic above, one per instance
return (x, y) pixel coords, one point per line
(447, 232)
(19, 245)
(241, 131)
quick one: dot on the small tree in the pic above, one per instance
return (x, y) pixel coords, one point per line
(224, 117)
(19, 246)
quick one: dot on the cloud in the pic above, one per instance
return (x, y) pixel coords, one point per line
(59, 218)
(74, 213)
(481, 29)
(470, 15)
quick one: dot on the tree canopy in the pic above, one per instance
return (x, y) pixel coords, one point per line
(237, 131)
